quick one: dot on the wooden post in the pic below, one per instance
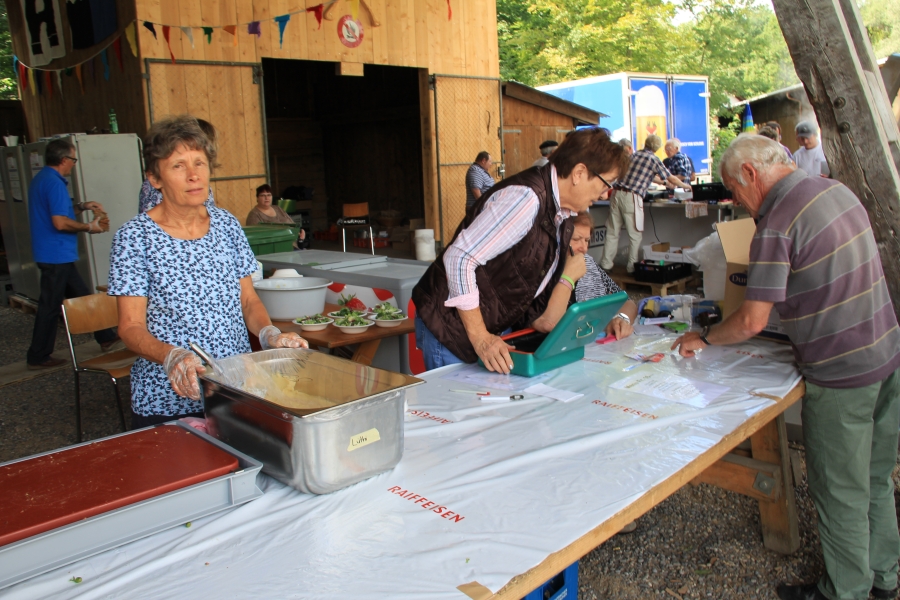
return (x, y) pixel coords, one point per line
(780, 526)
(834, 60)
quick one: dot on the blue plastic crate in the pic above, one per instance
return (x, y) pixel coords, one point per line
(564, 585)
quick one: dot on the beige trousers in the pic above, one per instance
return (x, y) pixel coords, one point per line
(623, 208)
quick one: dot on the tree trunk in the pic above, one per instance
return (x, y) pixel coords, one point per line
(834, 60)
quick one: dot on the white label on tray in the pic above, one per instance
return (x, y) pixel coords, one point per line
(363, 439)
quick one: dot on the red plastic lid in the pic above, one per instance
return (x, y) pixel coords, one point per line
(57, 489)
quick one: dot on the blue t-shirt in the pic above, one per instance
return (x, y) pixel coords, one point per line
(193, 293)
(47, 198)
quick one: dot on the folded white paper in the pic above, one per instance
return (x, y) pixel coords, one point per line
(551, 392)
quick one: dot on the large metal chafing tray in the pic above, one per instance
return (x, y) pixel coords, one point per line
(317, 422)
(81, 500)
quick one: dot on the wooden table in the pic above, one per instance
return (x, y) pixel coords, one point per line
(332, 337)
(764, 475)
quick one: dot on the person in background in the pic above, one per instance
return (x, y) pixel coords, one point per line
(54, 244)
(546, 149)
(181, 273)
(478, 178)
(508, 254)
(266, 212)
(821, 270)
(777, 127)
(809, 156)
(626, 143)
(150, 196)
(626, 208)
(590, 282)
(677, 162)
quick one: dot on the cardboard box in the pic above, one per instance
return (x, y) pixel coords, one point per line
(416, 224)
(736, 237)
(401, 239)
(664, 252)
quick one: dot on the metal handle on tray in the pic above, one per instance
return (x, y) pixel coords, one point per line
(578, 333)
(203, 354)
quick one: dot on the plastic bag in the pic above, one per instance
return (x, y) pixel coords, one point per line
(709, 257)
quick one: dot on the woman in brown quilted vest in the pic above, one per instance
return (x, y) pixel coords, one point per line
(503, 262)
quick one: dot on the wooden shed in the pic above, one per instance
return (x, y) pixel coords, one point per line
(531, 117)
(388, 108)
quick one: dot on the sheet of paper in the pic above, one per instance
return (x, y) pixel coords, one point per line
(551, 392)
(671, 387)
(648, 330)
(481, 377)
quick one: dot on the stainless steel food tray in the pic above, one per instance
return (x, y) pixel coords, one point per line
(63, 545)
(314, 450)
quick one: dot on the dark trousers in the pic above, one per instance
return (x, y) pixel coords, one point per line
(58, 282)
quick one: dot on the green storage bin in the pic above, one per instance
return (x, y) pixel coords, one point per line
(271, 238)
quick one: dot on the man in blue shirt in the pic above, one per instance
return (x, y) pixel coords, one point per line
(54, 242)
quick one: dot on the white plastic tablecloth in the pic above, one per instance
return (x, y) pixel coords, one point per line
(484, 492)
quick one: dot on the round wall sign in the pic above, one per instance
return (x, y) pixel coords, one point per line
(350, 31)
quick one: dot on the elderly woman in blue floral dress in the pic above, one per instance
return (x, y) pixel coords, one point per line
(181, 273)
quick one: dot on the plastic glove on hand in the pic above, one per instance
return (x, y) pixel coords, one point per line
(271, 337)
(182, 367)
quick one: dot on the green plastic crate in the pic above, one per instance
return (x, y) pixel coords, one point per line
(269, 239)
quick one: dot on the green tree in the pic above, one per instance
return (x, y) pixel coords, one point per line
(883, 24)
(9, 89)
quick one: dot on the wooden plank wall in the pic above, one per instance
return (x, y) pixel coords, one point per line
(525, 127)
(227, 97)
(75, 111)
(413, 33)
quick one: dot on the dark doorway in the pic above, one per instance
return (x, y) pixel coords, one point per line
(350, 139)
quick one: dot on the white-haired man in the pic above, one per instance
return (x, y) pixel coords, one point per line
(820, 269)
(677, 162)
(626, 208)
(626, 143)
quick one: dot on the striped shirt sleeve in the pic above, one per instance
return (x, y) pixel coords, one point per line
(770, 266)
(507, 216)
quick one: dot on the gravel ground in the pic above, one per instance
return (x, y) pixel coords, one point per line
(702, 542)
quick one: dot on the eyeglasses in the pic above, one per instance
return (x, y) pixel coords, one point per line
(608, 185)
(73, 159)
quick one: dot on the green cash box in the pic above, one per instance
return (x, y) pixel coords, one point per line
(271, 238)
(537, 353)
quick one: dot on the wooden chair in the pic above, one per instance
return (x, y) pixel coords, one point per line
(357, 211)
(87, 315)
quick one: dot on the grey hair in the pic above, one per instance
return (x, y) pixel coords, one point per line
(757, 150)
(56, 152)
(166, 135)
(652, 143)
(673, 143)
(625, 143)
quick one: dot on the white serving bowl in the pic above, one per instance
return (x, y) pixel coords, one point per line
(353, 329)
(387, 322)
(285, 298)
(335, 314)
(315, 327)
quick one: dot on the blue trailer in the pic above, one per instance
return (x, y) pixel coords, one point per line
(638, 104)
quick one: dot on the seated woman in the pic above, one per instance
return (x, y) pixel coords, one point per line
(266, 212)
(590, 282)
(181, 273)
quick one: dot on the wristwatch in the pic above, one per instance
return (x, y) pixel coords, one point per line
(703, 335)
(624, 317)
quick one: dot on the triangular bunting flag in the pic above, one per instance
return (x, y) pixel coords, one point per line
(189, 34)
(131, 36)
(31, 83)
(80, 80)
(105, 60)
(166, 31)
(207, 31)
(23, 77)
(253, 29)
(152, 29)
(317, 11)
(449, 11)
(282, 23)
(232, 29)
(354, 9)
(59, 83)
(49, 81)
(69, 71)
(117, 47)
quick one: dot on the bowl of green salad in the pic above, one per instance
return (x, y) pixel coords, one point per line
(315, 322)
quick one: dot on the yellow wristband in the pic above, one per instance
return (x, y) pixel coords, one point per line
(569, 279)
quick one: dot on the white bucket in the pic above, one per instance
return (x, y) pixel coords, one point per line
(424, 241)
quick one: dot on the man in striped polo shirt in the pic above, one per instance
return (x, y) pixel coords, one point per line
(814, 259)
